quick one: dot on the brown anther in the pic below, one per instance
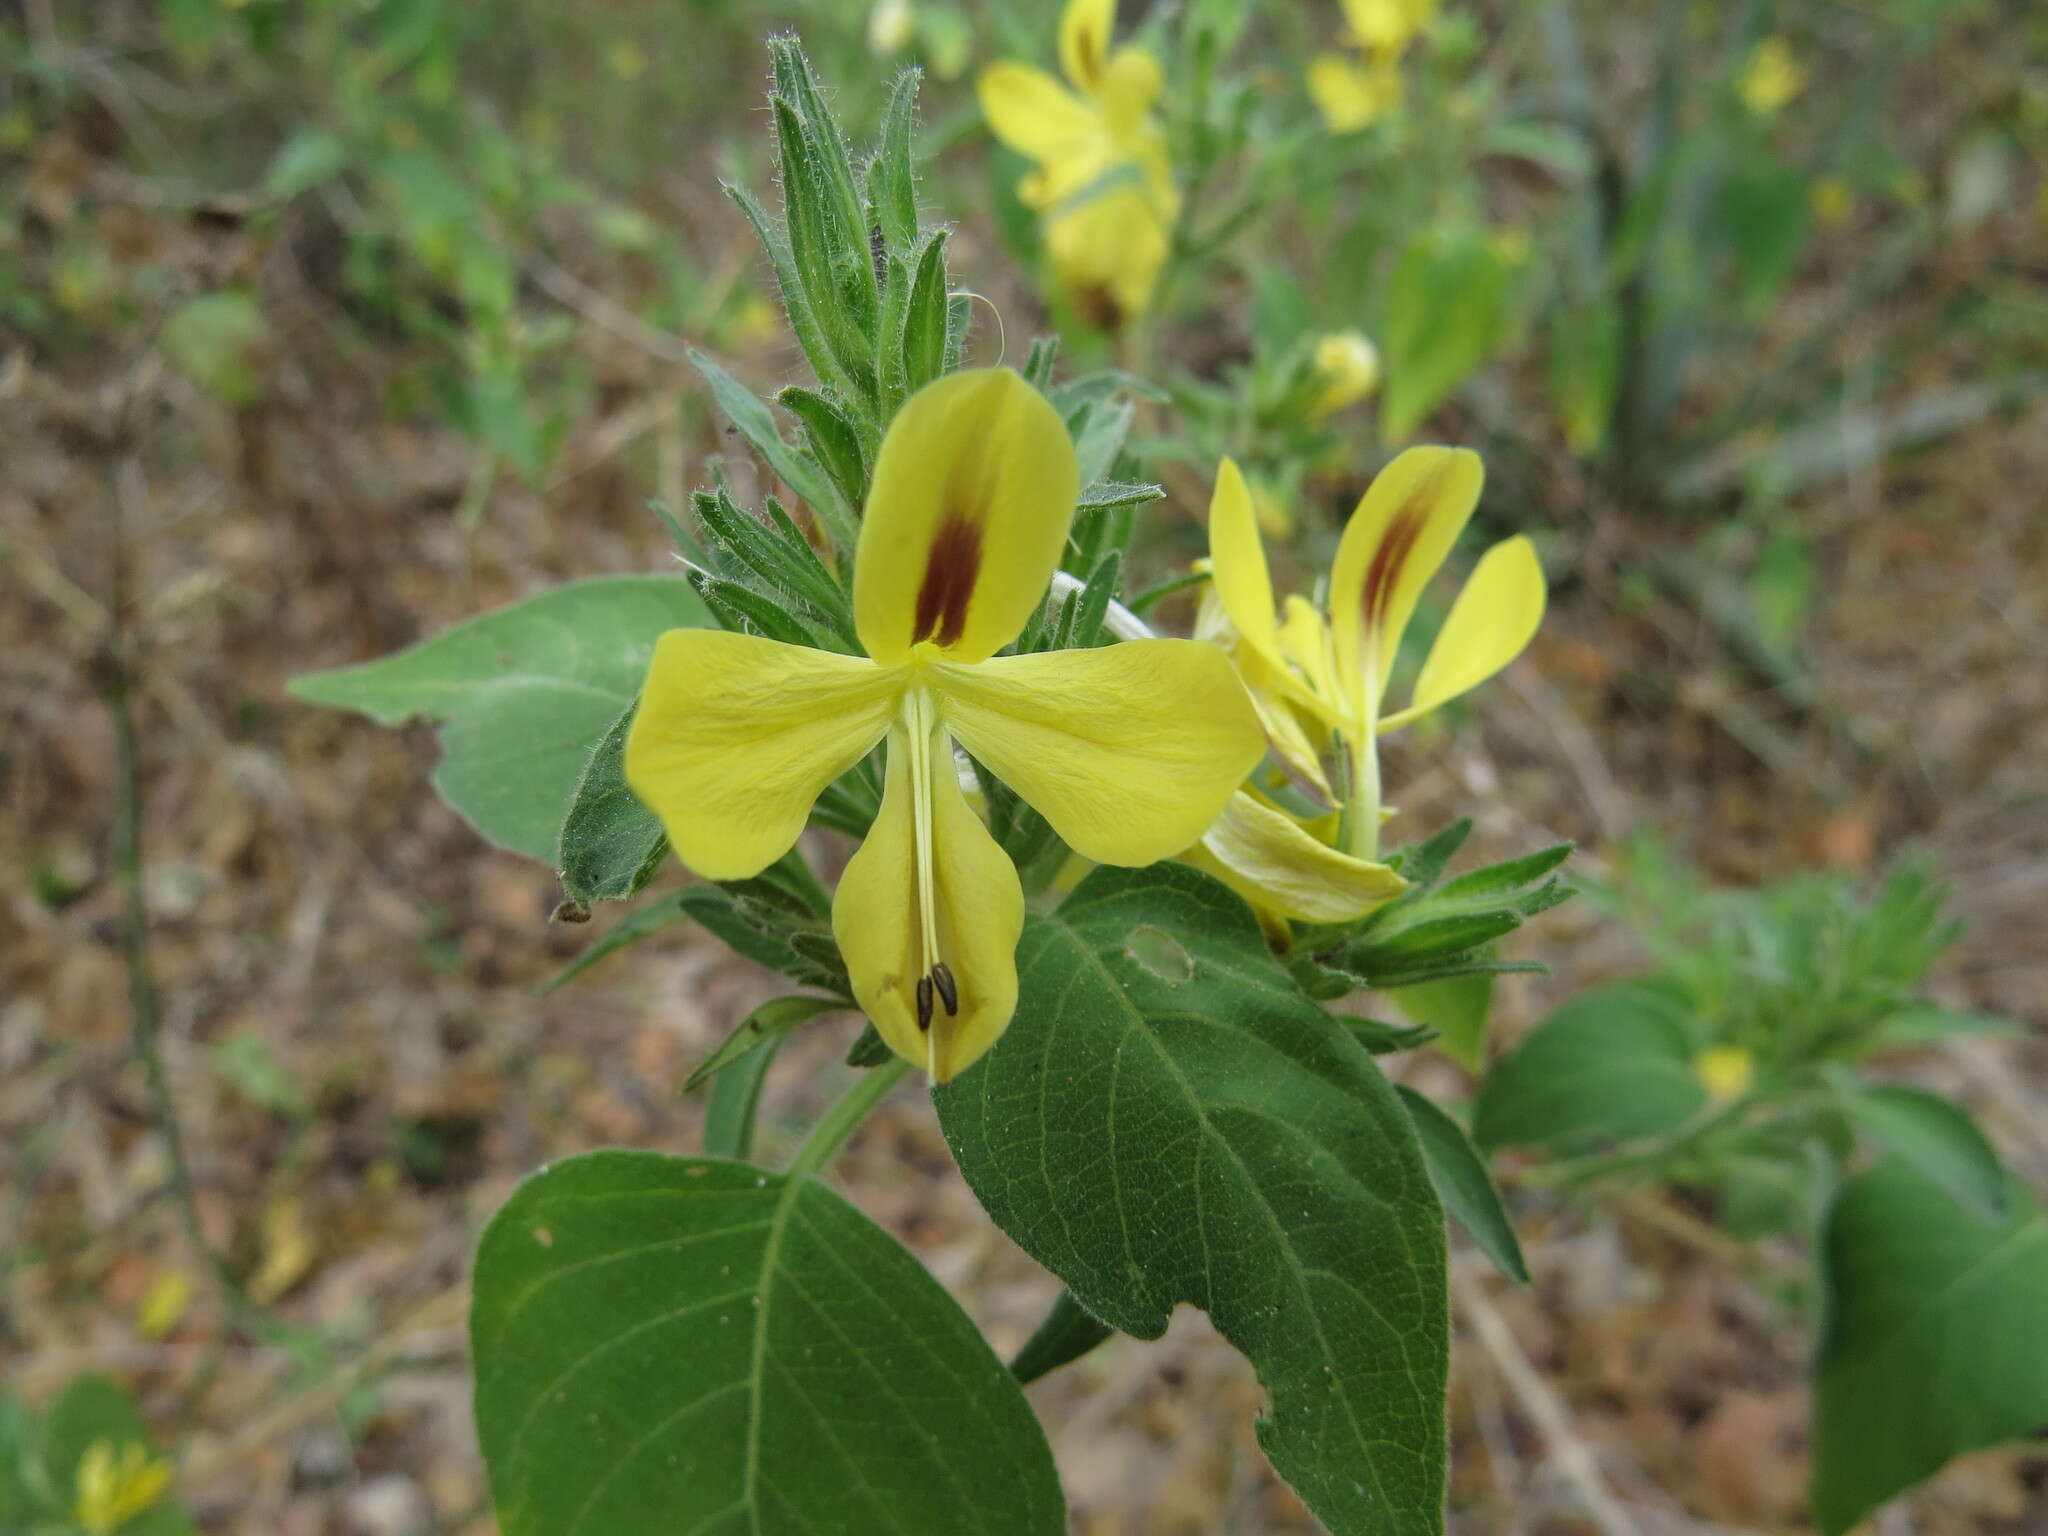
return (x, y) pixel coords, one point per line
(949, 991)
(924, 1003)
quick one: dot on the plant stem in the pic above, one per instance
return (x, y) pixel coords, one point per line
(118, 689)
(847, 1112)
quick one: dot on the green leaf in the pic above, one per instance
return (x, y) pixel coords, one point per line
(611, 843)
(1613, 1062)
(924, 329)
(522, 695)
(834, 440)
(1169, 1119)
(1924, 1024)
(1456, 1009)
(217, 341)
(1463, 1184)
(685, 1344)
(769, 932)
(1935, 1339)
(770, 1021)
(1935, 1139)
(892, 175)
(1445, 313)
(801, 473)
(735, 1101)
(1068, 1332)
(305, 160)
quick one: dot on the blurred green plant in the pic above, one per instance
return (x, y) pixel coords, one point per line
(1739, 1072)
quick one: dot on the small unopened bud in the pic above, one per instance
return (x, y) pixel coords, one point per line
(1347, 366)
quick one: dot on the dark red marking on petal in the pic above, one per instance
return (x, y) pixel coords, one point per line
(1385, 571)
(949, 574)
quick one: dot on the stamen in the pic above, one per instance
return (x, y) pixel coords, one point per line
(924, 1004)
(949, 992)
(935, 984)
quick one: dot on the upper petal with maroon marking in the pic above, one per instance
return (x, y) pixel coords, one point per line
(1404, 526)
(973, 491)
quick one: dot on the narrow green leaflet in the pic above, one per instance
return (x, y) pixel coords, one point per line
(611, 843)
(801, 473)
(1463, 1184)
(522, 696)
(685, 1345)
(1169, 1119)
(1935, 1340)
(1613, 1062)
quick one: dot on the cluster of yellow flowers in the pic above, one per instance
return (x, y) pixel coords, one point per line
(114, 1486)
(1355, 89)
(1101, 181)
(1133, 752)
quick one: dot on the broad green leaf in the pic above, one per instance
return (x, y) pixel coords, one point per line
(611, 843)
(1463, 1184)
(668, 1345)
(522, 695)
(1933, 1137)
(1168, 1119)
(1456, 1009)
(1935, 1339)
(1613, 1062)
(1445, 312)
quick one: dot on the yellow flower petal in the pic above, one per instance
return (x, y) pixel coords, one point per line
(1352, 95)
(736, 736)
(1494, 617)
(1126, 92)
(1130, 751)
(1403, 527)
(1085, 29)
(1237, 569)
(1108, 251)
(1033, 113)
(1305, 641)
(1291, 872)
(979, 910)
(973, 491)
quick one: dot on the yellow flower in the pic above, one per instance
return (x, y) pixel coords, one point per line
(1771, 78)
(1725, 1071)
(1128, 750)
(114, 1487)
(1387, 26)
(1321, 675)
(1354, 93)
(1833, 201)
(1101, 179)
(1347, 365)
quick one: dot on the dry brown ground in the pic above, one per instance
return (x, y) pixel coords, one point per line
(307, 891)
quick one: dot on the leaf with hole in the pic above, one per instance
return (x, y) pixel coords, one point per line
(1169, 1119)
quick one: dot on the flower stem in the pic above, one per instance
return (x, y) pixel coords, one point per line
(1362, 811)
(846, 1113)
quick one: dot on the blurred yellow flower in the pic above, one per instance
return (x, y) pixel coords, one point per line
(114, 1487)
(1725, 1071)
(164, 1303)
(1347, 366)
(1772, 77)
(1101, 180)
(1833, 201)
(892, 27)
(1353, 94)
(1387, 26)
(628, 60)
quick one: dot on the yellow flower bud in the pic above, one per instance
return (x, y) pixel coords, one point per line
(1833, 201)
(892, 26)
(1771, 78)
(1725, 1071)
(1347, 366)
